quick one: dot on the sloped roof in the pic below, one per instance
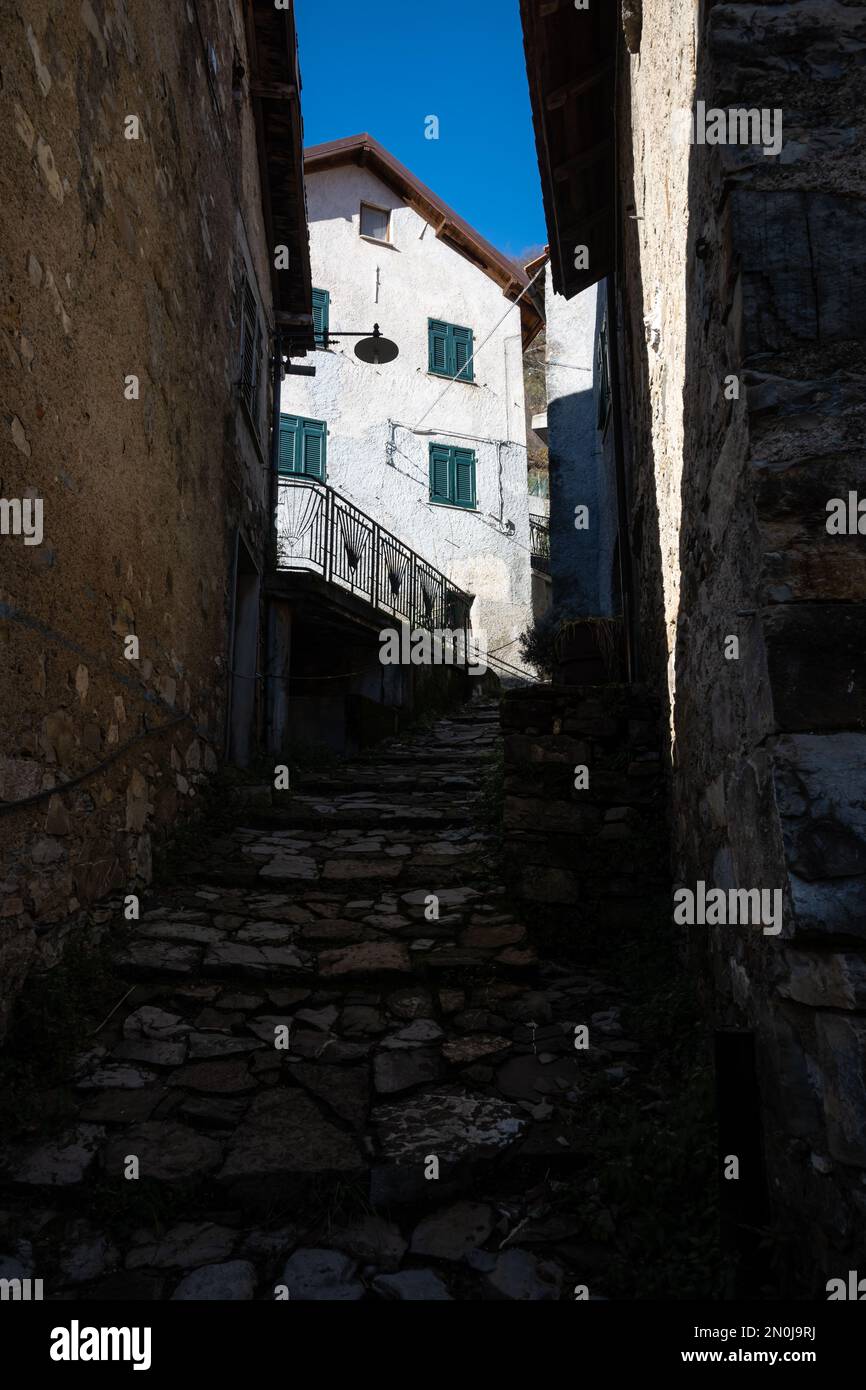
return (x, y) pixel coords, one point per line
(449, 226)
(533, 267)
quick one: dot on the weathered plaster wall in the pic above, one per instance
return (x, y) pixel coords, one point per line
(118, 257)
(655, 195)
(374, 457)
(746, 266)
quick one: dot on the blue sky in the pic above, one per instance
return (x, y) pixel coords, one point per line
(384, 67)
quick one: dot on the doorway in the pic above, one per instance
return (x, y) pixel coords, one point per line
(243, 666)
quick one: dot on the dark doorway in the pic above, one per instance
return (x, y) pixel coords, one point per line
(243, 687)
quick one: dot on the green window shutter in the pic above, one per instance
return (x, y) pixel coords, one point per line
(450, 349)
(303, 445)
(321, 316)
(462, 338)
(452, 475)
(439, 346)
(312, 449)
(440, 473)
(463, 472)
(288, 443)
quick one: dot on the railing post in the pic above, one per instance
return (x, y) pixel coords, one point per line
(328, 565)
(376, 540)
(413, 590)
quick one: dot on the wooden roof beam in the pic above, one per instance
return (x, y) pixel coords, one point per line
(578, 85)
(274, 91)
(578, 161)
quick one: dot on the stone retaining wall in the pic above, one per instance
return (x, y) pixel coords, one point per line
(583, 854)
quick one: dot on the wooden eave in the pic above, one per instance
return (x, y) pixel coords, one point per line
(571, 58)
(275, 88)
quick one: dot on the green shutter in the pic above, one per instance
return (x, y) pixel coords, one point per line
(438, 339)
(303, 446)
(450, 349)
(462, 353)
(312, 443)
(452, 475)
(321, 316)
(440, 473)
(288, 444)
(463, 466)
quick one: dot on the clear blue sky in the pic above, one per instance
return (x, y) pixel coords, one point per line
(383, 67)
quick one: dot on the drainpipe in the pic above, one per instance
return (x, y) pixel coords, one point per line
(273, 495)
(275, 428)
(626, 581)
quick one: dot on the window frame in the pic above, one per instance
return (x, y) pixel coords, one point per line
(374, 207)
(454, 452)
(467, 372)
(300, 433)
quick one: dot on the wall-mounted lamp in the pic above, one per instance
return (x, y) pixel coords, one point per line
(373, 347)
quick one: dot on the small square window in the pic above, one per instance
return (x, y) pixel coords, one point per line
(375, 222)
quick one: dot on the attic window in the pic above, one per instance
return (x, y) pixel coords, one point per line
(375, 222)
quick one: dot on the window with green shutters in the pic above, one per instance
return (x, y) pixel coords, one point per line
(303, 446)
(452, 476)
(321, 316)
(450, 349)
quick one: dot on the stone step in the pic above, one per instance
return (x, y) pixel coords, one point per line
(460, 780)
(407, 1038)
(310, 812)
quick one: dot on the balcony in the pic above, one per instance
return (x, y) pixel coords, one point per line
(320, 532)
(539, 542)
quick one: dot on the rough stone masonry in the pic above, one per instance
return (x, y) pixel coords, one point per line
(125, 243)
(743, 268)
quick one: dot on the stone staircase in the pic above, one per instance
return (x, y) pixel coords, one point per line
(342, 1064)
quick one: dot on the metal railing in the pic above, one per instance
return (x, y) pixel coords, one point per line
(539, 540)
(320, 531)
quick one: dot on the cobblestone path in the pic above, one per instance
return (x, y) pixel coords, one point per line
(343, 1071)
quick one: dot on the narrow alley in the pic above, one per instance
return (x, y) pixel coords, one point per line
(432, 720)
(342, 1061)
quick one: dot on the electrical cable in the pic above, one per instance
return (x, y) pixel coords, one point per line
(7, 806)
(513, 305)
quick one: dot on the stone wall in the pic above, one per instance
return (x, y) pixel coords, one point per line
(584, 854)
(743, 322)
(120, 257)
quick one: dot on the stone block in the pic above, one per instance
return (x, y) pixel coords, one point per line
(842, 1047)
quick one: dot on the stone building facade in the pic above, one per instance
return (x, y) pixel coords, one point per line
(151, 160)
(738, 357)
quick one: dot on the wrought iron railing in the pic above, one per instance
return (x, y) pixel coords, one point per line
(539, 540)
(321, 531)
